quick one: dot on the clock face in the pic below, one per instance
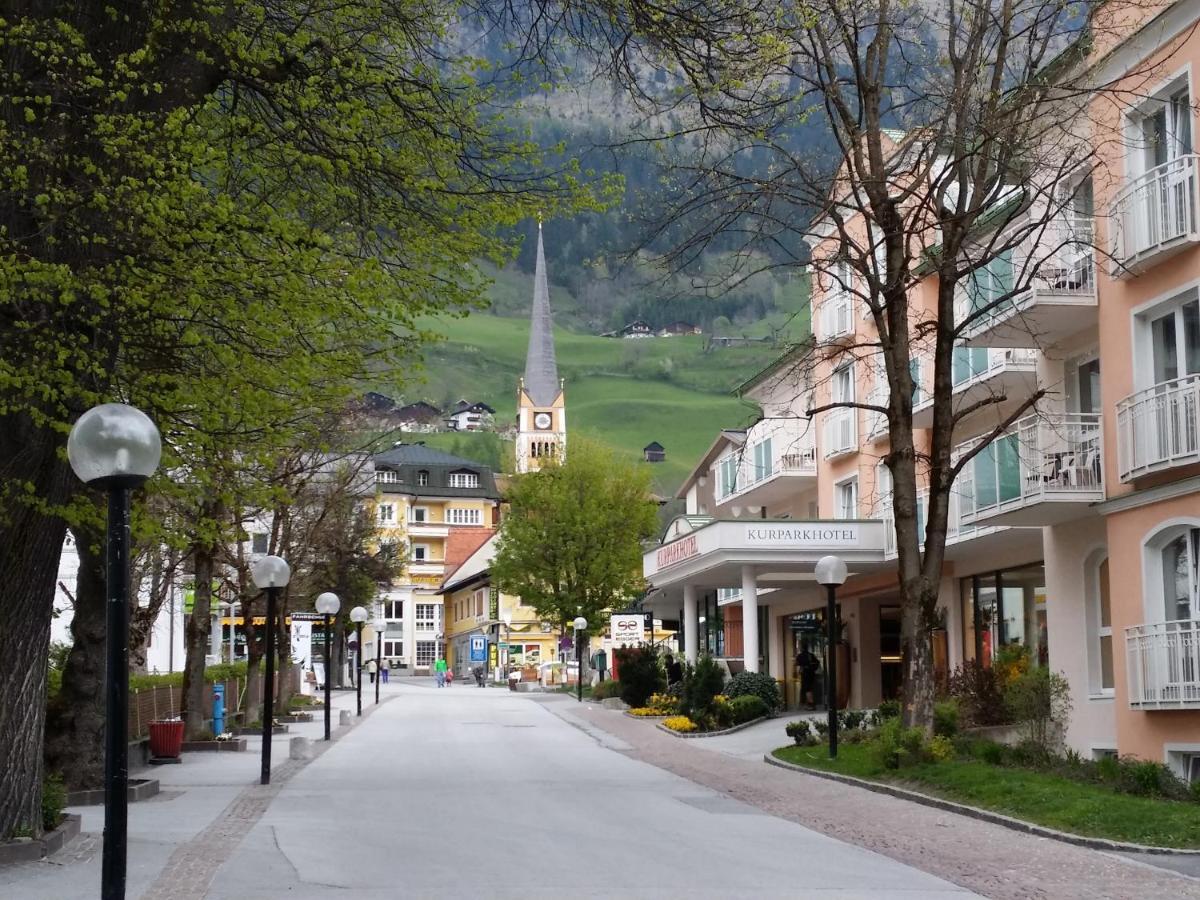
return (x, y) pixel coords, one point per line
(542, 421)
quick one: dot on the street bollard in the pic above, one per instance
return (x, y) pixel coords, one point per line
(218, 709)
(343, 717)
(300, 748)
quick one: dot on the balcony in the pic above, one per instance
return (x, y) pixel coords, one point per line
(421, 528)
(1163, 662)
(1154, 216)
(1058, 271)
(1159, 428)
(789, 474)
(840, 432)
(959, 534)
(1047, 470)
(837, 316)
(978, 374)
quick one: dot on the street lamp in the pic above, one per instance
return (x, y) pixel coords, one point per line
(328, 604)
(580, 624)
(115, 447)
(831, 572)
(270, 574)
(507, 616)
(379, 625)
(358, 615)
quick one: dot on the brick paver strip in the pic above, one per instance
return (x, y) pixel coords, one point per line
(987, 858)
(192, 867)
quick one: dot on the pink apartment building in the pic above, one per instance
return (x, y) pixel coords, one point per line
(1077, 532)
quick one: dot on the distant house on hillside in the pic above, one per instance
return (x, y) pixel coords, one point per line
(376, 403)
(466, 416)
(636, 329)
(676, 328)
(654, 452)
(419, 416)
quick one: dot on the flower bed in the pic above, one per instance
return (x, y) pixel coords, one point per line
(684, 732)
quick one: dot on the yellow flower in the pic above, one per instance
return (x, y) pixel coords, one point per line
(680, 723)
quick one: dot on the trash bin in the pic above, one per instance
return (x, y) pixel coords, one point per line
(166, 738)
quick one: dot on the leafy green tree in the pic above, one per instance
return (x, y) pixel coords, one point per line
(571, 543)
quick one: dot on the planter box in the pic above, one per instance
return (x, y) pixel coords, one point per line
(293, 718)
(33, 850)
(138, 789)
(278, 729)
(237, 745)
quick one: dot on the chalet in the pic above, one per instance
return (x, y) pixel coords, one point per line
(419, 416)
(466, 416)
(654, 452)
(677, 328)
(635, 329)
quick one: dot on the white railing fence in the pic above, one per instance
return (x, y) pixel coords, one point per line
(1163, 662)
(1154, 209)
(1159, 427)
(801, 461)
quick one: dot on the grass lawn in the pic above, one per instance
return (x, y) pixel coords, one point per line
(1045, 799)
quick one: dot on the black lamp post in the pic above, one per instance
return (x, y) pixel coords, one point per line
(580, 624)
(358, 615)
(270, 574)
(379, 625)
(328, 604)
(115, 447)
(831, 572)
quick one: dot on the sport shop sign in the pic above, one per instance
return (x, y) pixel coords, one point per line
(807, 536)
(678, 551)
(627, 629)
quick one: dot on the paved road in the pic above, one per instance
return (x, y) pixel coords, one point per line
(469, 793)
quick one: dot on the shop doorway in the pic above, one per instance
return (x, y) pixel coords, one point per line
(891, 669)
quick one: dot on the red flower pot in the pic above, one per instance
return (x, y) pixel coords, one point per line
(166, 739)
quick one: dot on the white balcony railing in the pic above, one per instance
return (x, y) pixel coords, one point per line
(971, 365)
(802, 462)
(1163, 662)
(837, 315)
(1044, 457)
(1154, 211)
(841, 431)
(1159, 428)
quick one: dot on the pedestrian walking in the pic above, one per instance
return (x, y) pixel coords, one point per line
(439, 671)
(449, 677)
(807, 665)
(674, 670)
(385, 674)
(479, 676)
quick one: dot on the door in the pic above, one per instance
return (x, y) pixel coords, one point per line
(1175, 356)
(1181, 608)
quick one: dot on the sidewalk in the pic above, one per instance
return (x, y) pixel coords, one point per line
(989, 859)
(173, 836)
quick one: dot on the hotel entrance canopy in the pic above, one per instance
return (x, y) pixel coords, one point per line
(707, 553)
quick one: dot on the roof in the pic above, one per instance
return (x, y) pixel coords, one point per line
(654, 445)
(417, 410)
(409, 459)
(462, 543)
(473, 568)
(726, 436)
(541, 369)
(788, 356)
(464, 406)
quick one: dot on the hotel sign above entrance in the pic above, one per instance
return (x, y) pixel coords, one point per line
(678, 551)
(804, 536)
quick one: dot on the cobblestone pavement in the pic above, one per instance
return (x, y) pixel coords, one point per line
(989, 859)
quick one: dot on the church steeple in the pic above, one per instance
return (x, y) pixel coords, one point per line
(541, 405)
(541, 368)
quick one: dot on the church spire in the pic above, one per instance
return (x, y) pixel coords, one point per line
(541, 369)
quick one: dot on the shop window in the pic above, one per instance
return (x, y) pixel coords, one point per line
(1003, 609)
(426, 653)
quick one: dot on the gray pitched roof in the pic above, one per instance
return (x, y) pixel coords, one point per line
(408, 460)
(541, 368)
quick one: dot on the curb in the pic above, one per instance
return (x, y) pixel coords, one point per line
(643, 718)
(984, 815)
(707, 734)
(138, 789)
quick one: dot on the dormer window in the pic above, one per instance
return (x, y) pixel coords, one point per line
(422, 478)
(464, 480)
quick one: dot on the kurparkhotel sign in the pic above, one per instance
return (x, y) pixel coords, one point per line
(797, 537)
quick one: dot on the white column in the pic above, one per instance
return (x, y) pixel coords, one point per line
(778, 672)
(691, 624)
(749, 618)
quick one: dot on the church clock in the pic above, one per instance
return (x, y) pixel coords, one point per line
(541, 421)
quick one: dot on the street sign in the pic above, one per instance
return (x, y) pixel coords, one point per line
(478, 648)
(627, 629)
(802, 624)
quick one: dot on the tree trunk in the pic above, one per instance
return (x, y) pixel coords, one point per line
(197, 637)
(339, 650)
(916, 649)
(30, 549)
(254, 655)
(75, 718)
(283, 649)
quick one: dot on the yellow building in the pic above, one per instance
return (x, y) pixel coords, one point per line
(434, 504)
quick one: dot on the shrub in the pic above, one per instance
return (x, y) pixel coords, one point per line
(989, 752)
(682, 724)
(641, 675)
(979, 694)
(701, 683)
(720, 714)
(945, 718)
(606, 690)
(665, 704)
(54, 801)
(748, 707)
(896, 746)
(888, 709)
(851, 719)
(941, 748)
(822, 728)
(758, 684)
(1010, 663)
(1038, 700)
(801, 732)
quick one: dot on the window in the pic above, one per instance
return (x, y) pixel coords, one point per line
(423, 478)
(426, 616)
(426, 653)
(1087, 386)
(1175, 342)
(846, 499)
(418, 515)
(762, 459)
(387, 512)
(393, 648)
(1181, 577)
(464, 516)
(990, 282)
(464, 480)
(1167, 132)
(727, 473)
(883, 490)
(420, 553)
(1102, 644)
(480, 597)
(393, 609)
(1005, 608)
(259, 543)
